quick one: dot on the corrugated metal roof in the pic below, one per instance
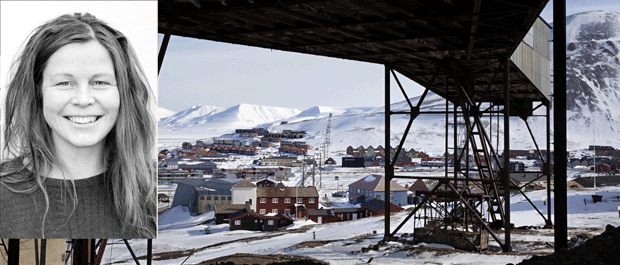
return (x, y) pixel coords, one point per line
(282, 192)
(375, 183)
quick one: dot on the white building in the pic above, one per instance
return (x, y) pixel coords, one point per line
(243, 192)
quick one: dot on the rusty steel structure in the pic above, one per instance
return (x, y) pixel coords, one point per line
(459, 50)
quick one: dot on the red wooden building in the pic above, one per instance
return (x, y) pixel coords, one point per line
(290, 201)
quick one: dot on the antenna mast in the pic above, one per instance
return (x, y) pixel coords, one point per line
(327, 135)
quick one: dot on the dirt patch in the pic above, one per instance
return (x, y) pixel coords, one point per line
(313, 244)
(601, 249)
(254, 259)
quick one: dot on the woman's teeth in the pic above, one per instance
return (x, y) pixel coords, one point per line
(82, 120)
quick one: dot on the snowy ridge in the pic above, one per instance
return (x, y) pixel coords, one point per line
(164, 113)
(190, 117)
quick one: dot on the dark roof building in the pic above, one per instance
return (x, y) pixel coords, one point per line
(373, 186)
(377, 207)
(248, 220)
(195, 194)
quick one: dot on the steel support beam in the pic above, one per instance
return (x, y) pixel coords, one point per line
(547, 166)
(149, 251)
(43, 251)
(389, 169)
(164, 43)
(81, 252)
(559, 123)
(13, 252)
(506, 168)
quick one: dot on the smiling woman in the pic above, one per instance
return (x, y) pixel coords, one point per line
(78, 153)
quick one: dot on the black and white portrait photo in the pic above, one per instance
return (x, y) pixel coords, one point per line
(78, 92)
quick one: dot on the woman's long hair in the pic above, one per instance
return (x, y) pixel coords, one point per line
(129, 152)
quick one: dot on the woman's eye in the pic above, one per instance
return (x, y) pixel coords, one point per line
(101, 83)
(66, 83)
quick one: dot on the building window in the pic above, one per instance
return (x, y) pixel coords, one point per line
(202, 198)
(262, 211)
(216, 198)
(223, 198)
(287, 200)
(274, 210)
(300, 200)
(274, 200)
(237, 222)
(263, 200)
(208, 198)
(269, 222)
(311, 200)
(287, 211)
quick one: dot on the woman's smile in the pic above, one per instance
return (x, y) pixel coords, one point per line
(82, 119)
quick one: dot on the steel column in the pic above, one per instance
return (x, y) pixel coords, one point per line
(559, 123)
(43, 250)
(389, 170)
(547, 165)
(164, 43)
(149, 251)
(81, 252)
(13, 252)
(506, 168)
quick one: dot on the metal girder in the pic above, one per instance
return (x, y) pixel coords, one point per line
(412, 212)
(486, 226)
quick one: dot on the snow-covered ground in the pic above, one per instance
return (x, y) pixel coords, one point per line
(182, 239)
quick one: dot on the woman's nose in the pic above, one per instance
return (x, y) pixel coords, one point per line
(83, 96)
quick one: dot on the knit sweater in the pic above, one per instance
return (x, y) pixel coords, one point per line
(94, 216)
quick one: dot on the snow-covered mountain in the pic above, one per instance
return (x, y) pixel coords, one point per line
(209, 121)
(193, 116)
(593, 78)
(593, 101)
(163, 113)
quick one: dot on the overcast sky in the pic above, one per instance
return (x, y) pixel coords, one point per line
(199, 72)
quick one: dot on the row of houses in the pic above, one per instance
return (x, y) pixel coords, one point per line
(287, 134)
(281, 161)
(254, 173)
(370, 151)
(374, 207)
(603, 164)
(254, 132)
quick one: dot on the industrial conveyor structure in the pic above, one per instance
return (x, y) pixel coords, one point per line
(483, 57)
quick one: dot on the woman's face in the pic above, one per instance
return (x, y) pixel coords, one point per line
(80, 95)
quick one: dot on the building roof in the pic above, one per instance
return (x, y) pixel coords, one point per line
(282, 158)
(230, 209)
(375, 183)
(209, 186)
(588, 182)
(374, 205)
(281, 192)
(244, 184)
(322, 212)
(348, 210)
(240, 214)
(267, 179)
